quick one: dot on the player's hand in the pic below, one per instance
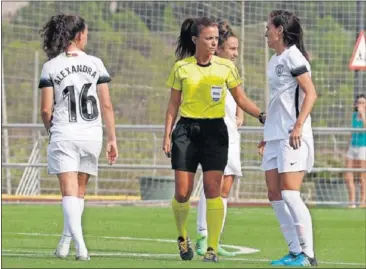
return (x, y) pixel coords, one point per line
(260, 147)
(295, 137)
(239, 121)
(111, 152)
(167, 145)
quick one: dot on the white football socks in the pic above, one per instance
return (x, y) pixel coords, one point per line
(66, 235)
(287, 226)
(72, 214)
(201, 216)
(302, 220)
(224, 201)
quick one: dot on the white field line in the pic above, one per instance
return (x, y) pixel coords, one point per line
(241, 250)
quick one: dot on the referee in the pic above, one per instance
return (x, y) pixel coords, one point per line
(199, 81)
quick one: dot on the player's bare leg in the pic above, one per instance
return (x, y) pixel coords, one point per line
(83, 179)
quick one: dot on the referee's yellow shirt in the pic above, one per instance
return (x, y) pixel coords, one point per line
(203, 87)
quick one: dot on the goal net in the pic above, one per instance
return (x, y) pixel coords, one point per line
(136, 42)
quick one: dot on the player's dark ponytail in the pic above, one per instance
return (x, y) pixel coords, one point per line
(190, 27)
(59, 31)
(292, 30)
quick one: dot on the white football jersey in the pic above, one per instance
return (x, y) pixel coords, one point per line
(230, 118)
(76, 111)
(286, 96)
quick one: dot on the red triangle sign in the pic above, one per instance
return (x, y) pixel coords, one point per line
(358, 59)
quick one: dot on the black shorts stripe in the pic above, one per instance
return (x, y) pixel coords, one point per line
(299, 71)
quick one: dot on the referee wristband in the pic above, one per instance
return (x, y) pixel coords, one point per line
(262, 117)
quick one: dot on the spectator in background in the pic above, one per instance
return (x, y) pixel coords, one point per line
(356, 155)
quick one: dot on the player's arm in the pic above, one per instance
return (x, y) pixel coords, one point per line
(299, 70)
(46, 106)
(108, 118)
(307, 85)
(107, 111)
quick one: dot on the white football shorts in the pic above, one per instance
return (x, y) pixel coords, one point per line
(70, 156)
(278, 154)
(357, 153)
(233, 166)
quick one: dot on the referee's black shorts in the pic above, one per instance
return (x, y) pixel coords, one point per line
(200, 141)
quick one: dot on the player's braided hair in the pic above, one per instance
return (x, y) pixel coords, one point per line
(225, 32)
(59, 31)
(292, 30)
(191, 27)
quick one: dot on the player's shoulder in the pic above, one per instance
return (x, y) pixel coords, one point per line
(52, 62)
(223, 62)
(273, 58)
(294, 52)
(94, 58)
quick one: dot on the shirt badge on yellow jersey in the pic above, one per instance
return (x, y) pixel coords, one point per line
(216, 93)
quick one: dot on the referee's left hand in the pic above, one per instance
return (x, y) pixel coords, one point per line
(295, 137)
(167, 146)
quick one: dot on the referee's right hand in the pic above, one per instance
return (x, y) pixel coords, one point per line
(167, 146)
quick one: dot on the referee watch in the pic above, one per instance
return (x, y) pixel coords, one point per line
(262, 117)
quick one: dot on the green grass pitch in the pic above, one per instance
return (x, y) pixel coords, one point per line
(144, 237)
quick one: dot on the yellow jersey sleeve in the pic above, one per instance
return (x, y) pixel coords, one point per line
(175, 80)
(233, 78)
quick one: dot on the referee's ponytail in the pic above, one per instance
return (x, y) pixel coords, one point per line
(292, 30)
(190, 27)
(59, 31)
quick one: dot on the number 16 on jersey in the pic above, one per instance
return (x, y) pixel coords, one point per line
(88, 106)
